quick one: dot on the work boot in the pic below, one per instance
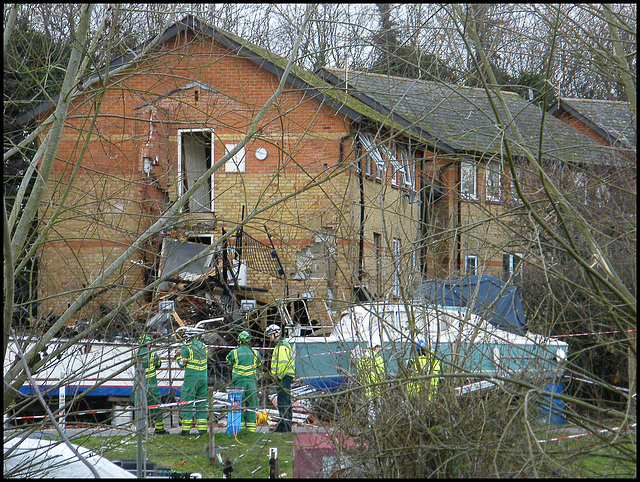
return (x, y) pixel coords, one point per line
(160, 432)
(184, 433)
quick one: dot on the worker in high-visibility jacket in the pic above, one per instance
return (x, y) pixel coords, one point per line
(371, 372)
(425, 364)
(245, 362)
(193, 358)
(150, 362)
(283, 371)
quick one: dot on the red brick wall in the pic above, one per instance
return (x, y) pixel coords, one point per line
(112, 201)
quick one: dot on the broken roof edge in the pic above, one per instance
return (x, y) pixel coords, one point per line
(173, 91)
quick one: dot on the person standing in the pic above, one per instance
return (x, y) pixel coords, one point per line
(245, 362)
(370, 370)
(425, 364)
(282, 370)
(193, 358)
(150, 362)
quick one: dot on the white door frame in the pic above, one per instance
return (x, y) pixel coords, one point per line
(180, 173)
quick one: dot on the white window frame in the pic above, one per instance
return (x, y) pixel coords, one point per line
(514, 192)
(603, 194)
(513, 266)
(374, 154)
(493, 168)
(408, 178)
(181, 174)
(469, 171)
(397, 253)
(390, 153)
(467, 259)
(581, 182)
(378, 254)
(237, 162)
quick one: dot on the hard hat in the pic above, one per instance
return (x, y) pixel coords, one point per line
(145, 339)
(244, 336)
(272, 329)
(421, 344)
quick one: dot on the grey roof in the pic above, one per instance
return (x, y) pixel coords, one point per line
(613, 120)
(463, 119)
(448, 118)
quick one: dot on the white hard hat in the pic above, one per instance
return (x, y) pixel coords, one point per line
(272, 329)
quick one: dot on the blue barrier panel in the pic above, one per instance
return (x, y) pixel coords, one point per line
(550, 407)
(234, 415)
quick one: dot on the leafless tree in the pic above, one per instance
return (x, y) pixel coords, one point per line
(580, 249)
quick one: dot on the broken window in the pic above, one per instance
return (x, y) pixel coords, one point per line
(195, 154)
(176, 252)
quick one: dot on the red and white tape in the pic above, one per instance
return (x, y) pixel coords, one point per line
(604, 430)
(596, 383)
(594, 333)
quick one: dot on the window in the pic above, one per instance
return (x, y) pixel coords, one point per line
(178, 254)
(511, 263)
(195, 152)
(390, 154)
(236, 163)
(494, 180)
(581, 186)
(469, 186)
(377, 243)
(407, 170)
(374, 156)
(520, 178)
(397, 253)
(471, 265)
(603, 194)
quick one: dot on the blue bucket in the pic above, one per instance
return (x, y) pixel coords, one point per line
(234, 415)
(550, 408)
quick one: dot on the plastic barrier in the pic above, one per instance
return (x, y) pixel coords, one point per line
(234, 416)
(549, 408)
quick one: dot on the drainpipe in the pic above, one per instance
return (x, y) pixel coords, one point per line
(459, 220)
(361, 190)
(342, 139)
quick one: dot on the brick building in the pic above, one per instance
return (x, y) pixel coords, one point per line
(354, 179)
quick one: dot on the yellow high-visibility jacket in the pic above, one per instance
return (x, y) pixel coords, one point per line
(370, 369)
(427, 364)
(281, 363)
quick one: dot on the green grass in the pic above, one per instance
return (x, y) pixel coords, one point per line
(583, 457)
(248, 452)
(587, 457)
(607, 455)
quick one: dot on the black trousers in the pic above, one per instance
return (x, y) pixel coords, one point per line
(284, 404)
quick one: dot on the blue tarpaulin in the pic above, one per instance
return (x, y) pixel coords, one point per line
(484, 295)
